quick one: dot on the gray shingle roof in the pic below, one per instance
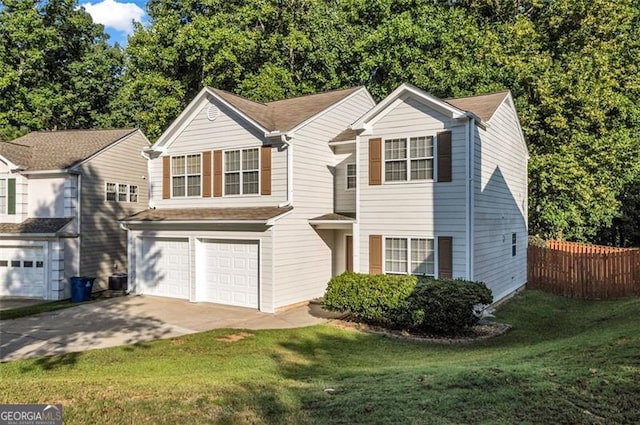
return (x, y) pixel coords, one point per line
(284, 115)
(35, 226)
(204, 214)
(334, 217)
(58, 150)
(484, 105)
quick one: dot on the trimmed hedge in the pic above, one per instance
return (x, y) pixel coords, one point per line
(423, 304)
(445, 306)
(374, 299)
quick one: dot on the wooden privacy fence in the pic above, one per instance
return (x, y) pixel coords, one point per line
(584, 271)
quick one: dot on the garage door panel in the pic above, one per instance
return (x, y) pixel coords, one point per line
(230, 273)
(165, 267)
(22, 271)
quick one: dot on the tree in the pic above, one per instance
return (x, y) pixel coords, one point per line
(57, 70)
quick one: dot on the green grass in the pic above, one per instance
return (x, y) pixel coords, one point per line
(564, 362)
(46, 307)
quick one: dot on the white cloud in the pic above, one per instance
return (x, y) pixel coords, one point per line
(112, 14)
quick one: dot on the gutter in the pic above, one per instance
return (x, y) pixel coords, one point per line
(124, 224)
(470, 197)
(289, 201)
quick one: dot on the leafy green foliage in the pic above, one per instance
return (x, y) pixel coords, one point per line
(56, 69)
(376, 299)
(444, 306)
(422, 304)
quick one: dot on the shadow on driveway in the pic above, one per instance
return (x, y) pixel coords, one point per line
(131, 320)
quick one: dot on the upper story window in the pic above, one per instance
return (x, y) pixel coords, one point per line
(351, 176)
(3, 196)
(241, 172)
(514, 244)
(408, 159)
(121, 192)
(186, 175)
(409, 255)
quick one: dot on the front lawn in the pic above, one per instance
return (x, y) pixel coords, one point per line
(565, 361)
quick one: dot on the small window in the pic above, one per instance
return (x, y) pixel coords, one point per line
(514, 244)
(351, 176)
(123, 191)
(4, 263)
(27, 264)
(15, 263)
(111, 192)
(39, 264)
(133, 193)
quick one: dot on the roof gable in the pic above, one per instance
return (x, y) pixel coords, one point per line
(272, 118)
(58, 150)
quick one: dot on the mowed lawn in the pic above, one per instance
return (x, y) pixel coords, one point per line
(564, 361)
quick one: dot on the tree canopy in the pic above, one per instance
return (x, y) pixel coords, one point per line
(572, 66)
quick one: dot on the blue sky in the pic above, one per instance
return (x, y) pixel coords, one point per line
(116, 16)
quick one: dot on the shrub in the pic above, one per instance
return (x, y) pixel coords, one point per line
(374, 299)
(441, 306)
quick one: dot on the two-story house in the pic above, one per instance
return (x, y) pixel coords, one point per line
(61, 194)
(259, 204)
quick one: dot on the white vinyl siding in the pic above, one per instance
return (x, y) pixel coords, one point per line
(228, 132)
(500, 204)
(345, 198)
(420, 207)
(303, 264)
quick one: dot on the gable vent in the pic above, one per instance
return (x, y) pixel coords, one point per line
(213, 112)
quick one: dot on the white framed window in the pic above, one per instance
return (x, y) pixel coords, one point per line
(3, 196)
(352, 178)
(514, 244)
(133, 193)
(409, 255)
(111, 193)
(408, 159)
(242, 172)
(186, 175)
(123, 192)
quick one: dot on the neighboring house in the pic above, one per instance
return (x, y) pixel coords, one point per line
(61, 194)
(258, 205)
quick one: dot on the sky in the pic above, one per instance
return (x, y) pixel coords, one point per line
(117, 16)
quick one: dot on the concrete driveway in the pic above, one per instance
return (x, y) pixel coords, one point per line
(132, 319)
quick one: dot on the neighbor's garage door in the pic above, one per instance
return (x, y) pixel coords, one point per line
(22, 272)
(165, 267)
(230, 273)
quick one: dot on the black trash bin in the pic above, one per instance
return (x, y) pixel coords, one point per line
(81, 288)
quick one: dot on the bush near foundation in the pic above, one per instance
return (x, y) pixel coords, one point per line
(419, 304)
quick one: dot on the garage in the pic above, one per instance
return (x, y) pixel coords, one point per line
(165, 267)
(22, 272)
(230, 273)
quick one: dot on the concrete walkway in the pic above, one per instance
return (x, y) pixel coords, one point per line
(132, 319)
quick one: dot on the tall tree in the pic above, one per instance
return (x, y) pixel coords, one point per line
(56, 69)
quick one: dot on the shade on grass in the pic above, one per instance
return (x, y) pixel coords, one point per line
(565, 361)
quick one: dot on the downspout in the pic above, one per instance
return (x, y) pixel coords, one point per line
(471, 197)
(79, 195)
(289, 200)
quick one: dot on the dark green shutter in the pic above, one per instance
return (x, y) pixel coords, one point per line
(11, 208)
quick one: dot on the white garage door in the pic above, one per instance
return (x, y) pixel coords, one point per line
(22, 272)
(165, 267)
(230, 273)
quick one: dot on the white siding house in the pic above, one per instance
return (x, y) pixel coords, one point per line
(259, 204)
(55, 218)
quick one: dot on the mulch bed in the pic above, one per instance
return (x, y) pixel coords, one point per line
(483, 330)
